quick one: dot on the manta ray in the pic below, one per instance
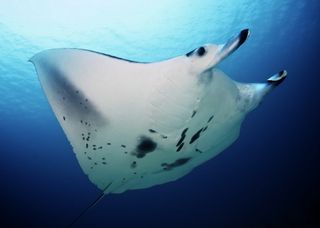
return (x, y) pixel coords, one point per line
(134, 125)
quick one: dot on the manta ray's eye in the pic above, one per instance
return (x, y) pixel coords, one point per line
(201, 51)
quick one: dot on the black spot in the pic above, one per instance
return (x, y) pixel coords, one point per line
(200, 151)
(83, 138)
(86, 100)
(180, 147)
(94, 145)
(77, 91)
(126, 152)
(201, 51)
(64, 118)
(183, 135)
(89, 133)
(152, 131)
(193, 113)
(164, 136)
(100, 147)
(195, 136)
(81, 121)
(108, 144)
(133, 164)
(88, 138)
(103, 158)
(89, 158)
(94, 148)
(87, 145)
(123, 146)
(95, 163)
(104, 163)
(211, 117)
(184, 131)
(82, 134)
(205, 128)
(181, 161)
(146, 145)
(176, 163)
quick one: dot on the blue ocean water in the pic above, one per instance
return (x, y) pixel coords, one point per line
(269, 177)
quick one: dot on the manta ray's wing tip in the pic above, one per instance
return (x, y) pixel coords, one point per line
(31, 59)
(278, 78)
(34, 58)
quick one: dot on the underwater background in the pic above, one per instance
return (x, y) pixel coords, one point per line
(270, 177)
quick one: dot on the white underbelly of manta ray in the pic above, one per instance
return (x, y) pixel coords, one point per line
(135, 125)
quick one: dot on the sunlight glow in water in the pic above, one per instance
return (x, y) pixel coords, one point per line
(139, 30)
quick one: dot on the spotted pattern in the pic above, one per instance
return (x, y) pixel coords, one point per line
(145, 144)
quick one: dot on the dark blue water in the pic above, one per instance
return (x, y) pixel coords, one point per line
(269, 178)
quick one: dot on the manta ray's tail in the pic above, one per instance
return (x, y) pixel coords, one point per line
(87, 209)
(99, 198)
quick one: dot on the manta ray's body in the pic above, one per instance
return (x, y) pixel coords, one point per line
(135, 125)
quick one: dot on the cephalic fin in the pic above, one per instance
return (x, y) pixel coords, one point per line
(255, 92)
(233, 44)
(277, 78)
